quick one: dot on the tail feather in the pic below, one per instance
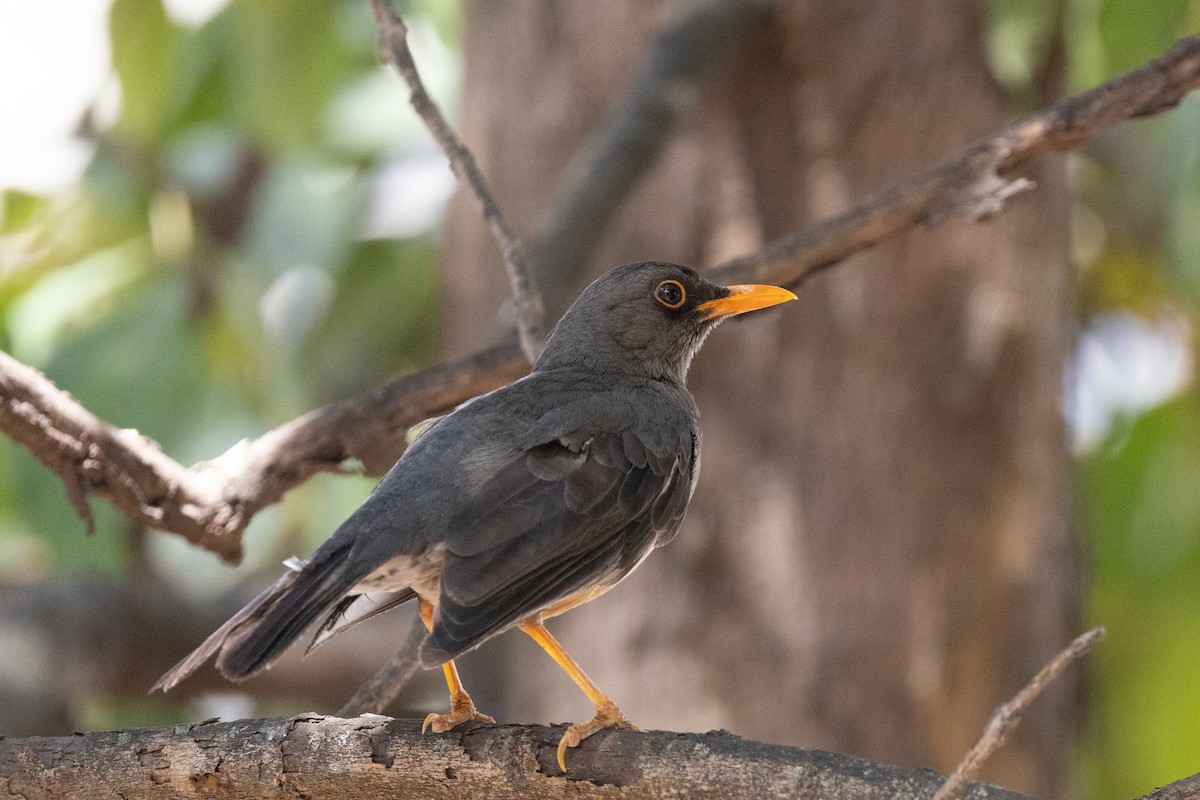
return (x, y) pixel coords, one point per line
(254, 610)
(259, 633)
(356, 608)
(252, 648)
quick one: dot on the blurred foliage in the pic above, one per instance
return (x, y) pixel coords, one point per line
(1144, 523)
(217, 270)
(1137, 243)
(220, 268)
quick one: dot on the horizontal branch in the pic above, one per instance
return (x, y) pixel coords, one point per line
(211, 503)
(1183, 789)
(375, 757)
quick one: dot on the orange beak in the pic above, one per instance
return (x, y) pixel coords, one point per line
(743, 298)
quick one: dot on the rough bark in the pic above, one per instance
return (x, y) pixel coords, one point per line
(372, 756)
(375, 757)
(878, 552)
(907, 490)
(1184, 789)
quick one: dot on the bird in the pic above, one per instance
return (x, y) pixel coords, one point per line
(522, 503)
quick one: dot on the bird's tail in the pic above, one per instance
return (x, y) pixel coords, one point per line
(258, 634)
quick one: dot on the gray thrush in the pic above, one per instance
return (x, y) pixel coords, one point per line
(522, 503)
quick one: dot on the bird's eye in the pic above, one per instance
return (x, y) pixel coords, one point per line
(670, 293)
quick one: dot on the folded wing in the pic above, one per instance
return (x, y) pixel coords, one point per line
(571, 514)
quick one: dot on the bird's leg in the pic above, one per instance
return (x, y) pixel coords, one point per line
(607, 713)
(462, 707)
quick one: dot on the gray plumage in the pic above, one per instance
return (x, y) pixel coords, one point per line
(558, 483)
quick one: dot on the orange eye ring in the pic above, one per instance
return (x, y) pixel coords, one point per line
(670, 294)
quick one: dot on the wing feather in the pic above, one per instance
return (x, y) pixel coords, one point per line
(355, 608)
(574, 512)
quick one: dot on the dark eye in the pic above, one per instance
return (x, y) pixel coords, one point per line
(670, 293)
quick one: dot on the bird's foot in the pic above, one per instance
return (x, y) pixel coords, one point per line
(607, 716)
(462, 710)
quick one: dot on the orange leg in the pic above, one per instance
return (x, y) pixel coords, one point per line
(607, 713)
(462, 708)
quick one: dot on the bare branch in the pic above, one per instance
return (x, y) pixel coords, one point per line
(609, 166)
(530, 310)
(211, 503)
(976, 182)
(1182, 789)
(94, 457)
(376, 757)
(1008, 716)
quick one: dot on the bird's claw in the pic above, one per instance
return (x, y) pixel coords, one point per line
(608, 717)
(460, 713)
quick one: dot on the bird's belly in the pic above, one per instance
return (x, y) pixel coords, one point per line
(588, 595)
(577, 599)
(421, 573)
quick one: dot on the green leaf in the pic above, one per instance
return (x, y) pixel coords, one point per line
(18, 209)
(1018, 39)
(1143, 515)
(1134, 31)
(283, 62)
(144, 43)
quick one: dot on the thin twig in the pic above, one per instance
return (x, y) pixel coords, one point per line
(527, 300)
(1008, 716)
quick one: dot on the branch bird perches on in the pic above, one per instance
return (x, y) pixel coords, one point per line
(377, 757)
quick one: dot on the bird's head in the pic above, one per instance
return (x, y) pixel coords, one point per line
(648, 319)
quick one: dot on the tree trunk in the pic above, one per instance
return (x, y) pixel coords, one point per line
(878, 552)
